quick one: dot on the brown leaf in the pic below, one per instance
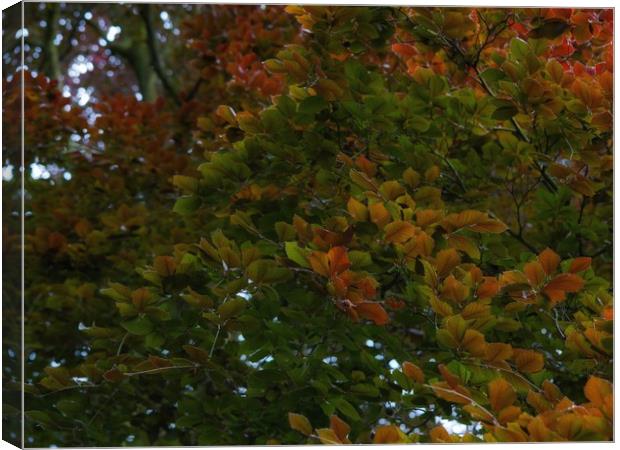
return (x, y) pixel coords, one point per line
(165, 266)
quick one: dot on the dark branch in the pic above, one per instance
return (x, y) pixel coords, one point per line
(150, 40)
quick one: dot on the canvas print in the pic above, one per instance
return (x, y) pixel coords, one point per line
(306, 224)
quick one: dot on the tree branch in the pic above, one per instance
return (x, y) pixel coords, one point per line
(145, 13)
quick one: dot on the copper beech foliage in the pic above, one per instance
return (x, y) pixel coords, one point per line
(388, 217)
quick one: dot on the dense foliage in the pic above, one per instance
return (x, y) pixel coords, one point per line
(326, 224)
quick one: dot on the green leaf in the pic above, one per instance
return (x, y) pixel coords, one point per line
(505, 110)
(359, 259)
(140, 326)
(519, 49)
(297, 254)
(312, 105)
(346, 408)
(186, 205)
(550, 29)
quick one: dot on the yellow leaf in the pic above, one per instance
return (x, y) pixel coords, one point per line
(465, 245)
(411, 177)
(427, 217)
(509, 414)
(363, 180)
(357, 209)
(454, 290)
(399, 231)
(389, 434)
(391, 189)
(473, 220)
(441, 308)
(300, 423)
(340, 427)
(227, 113)
(319, 263)
(473, 341)
(379, 215)
(439, 435)
(327, 436)
(475, 310)
(431, 174)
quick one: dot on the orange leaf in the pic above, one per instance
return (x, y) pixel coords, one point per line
(465, 245)
(454, 290)
(489, 288)
(528, 361)
(565, 282)
(475, 310)
(357, 209)
(427, 217)
(406, 50)
(501, 394)
(379, 215)
(439, 435)
(474, 342)
(580, 264)
(319, 263)
(366, 165)
(452, 380)
(473, 220)
(338, 260)
(374, 312)
(389, 434)
(391, 189)
(498, 351)
(457, 394)
(597, 389)
(327, 436)
(340, 427)
(300, 423)
(446, 260)
(509, 414)
(534, 272)
(549, 260)
(399, 231)
(414, 372)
